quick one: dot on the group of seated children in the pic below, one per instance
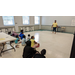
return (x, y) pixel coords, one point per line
(30, 46)
(23, 40)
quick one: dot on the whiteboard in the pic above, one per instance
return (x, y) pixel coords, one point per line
(61, 20)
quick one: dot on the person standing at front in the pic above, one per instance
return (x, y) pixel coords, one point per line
(54, 26)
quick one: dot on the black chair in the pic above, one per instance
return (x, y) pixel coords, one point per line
(72, 54)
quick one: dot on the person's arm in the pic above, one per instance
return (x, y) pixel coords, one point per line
(35, 42)
(20, 35)
(52, 25)
(57, 26)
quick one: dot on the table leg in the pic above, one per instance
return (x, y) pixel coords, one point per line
(2, 49)
(12, 46)
(7, 49)
(0, 54)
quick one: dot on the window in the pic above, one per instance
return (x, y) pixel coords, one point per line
(8, 20)
(37, 20)
(25, 19)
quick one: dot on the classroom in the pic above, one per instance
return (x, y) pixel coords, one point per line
(48, 36)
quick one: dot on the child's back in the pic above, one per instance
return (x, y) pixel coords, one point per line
(28, 38)
(23, 40)
(17, 39)
(21, 35)
(32, 41)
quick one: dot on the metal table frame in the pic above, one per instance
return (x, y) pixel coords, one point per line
(2, 51)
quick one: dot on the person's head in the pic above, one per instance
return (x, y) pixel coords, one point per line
(55, 21)
(9, 33)
(16, 36)
(43, 52)
(21, 31)
(28, 43)
(24, 36)
(32, 37)
(28, 35)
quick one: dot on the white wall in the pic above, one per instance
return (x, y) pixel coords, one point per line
(40, 22)
(18, 20)
(61, 20)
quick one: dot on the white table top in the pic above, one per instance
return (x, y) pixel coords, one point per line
(6, 37)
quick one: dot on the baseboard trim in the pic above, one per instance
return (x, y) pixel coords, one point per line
(46, 30)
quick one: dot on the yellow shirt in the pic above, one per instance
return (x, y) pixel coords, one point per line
(54, 24)
(32, 42)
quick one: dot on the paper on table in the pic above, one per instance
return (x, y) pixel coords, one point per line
(2, 39)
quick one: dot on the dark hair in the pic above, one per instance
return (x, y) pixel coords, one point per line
(55, 20)
(28, 34)
(32, 37)
(16, 36)
(24, 36)
(43, 52)
(21, 31)
(9, 32)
